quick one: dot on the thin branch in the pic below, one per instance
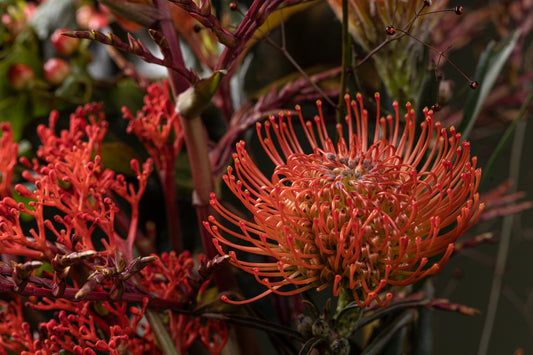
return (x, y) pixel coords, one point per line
(503, 249)
(287, 55)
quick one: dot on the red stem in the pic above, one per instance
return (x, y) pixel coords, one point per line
(197, 149)
(167, 175)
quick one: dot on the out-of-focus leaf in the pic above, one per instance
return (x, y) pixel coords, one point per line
(382, 339)
(276, 17)
(253, 322)
(142, 13)
(117, 157)
(310, 345)
(124, 93)
(396, 343)
(505, 139)
(17, 111)
(76, 88)
(490, 64)
(427, 95)
(25, 200)
(52, 14)
(160, 333)
(423, 338)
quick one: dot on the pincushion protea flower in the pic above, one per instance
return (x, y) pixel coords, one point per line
(358, 215)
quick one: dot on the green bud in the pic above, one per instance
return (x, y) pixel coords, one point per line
(321, 328)
(193, 101)
(305, 326)
(340, 346)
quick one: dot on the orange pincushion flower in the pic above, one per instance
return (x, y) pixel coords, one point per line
(358, 215)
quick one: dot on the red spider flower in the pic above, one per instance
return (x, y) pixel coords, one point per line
(359, 215)
(171, 277)
(158, 127)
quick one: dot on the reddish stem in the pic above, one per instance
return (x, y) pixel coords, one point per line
(167, 175)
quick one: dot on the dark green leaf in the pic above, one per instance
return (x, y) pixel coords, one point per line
(160, 333)
(17, 111)
(117, 157)
(383, 338)
(490, 65)
(506, 138)
(256, 323)
(310, 345)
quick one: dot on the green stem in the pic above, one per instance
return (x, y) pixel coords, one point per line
(158, 329)
(504, 140)
(505, 240)
(345, 61)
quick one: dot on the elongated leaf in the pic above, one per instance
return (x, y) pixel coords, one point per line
(385, 336)
(490, 65)
(382, 311)
(257, 323)
(506, 138)
(310, 345)
(138, 12)
(423, 330)
(160, 333)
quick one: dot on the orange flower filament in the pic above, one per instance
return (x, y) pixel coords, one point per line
(359, 215)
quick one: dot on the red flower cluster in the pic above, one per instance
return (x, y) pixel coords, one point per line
(171, 278)
(358, 215)
(74, 252)
(74, 185)
(75, 328)
(158, 126)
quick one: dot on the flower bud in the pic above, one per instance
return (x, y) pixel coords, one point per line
(340, 346)
(195, 99)
(64, 45)
(304, 326)
(321, 328)
(20, 75)
(56, 70)
(88, 18)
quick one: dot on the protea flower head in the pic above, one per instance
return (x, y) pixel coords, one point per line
(361, 215)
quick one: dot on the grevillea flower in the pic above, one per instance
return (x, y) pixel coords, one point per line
(77, 328)
(172, 278)
(158, 126)
(360, 215)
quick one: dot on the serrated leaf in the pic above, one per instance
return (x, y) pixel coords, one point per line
(490, 65)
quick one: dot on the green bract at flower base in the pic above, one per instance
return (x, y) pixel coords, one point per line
(359, 215)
